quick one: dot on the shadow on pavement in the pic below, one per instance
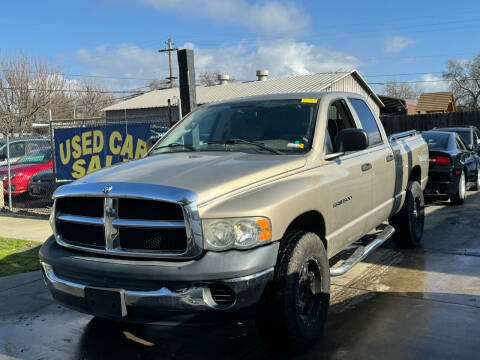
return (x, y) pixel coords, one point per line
(367, 326)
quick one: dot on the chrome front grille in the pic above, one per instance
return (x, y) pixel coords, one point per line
(118, 223)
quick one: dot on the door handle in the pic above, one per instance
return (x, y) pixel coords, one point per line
(366, 167)
(389, 158)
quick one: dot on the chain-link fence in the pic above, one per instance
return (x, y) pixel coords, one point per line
(32, 167)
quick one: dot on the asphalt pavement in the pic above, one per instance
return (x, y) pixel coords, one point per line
(396, 304)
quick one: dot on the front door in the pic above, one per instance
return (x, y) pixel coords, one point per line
(350, 182)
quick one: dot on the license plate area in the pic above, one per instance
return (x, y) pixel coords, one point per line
(105, 301)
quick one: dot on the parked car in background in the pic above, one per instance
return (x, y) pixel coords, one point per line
(19, 147)
(156, 133)
(453, 168)
(469, 134)
(42, 185)
(24, 169)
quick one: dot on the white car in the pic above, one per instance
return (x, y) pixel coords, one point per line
(19, 147)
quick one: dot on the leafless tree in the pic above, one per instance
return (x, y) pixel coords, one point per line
(401, 90)
(156, 84)
(27, 87)
(210, 78)
(464, 79)
(91, 98)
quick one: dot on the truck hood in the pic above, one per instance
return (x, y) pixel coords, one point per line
(208, 174)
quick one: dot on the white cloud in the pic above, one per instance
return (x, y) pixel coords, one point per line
(271, 17)
(396, 44)
(432, 84)
(281, 57)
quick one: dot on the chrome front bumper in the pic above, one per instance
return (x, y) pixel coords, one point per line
(248, 291)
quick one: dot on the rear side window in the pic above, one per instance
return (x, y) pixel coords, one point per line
(17, 149)
(369, 124)
(465, 135)
(476, 138)
(460, 143)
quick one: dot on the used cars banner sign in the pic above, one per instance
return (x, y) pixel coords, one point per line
(81, 151)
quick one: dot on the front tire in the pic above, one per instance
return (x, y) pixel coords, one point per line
(409, 221)
(296, 309)
(459, 197)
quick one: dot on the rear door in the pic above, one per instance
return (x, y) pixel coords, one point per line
(349, 186)
(382, 164)
(468, 159)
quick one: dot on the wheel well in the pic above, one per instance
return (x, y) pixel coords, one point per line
(311, 221)
(416, 174)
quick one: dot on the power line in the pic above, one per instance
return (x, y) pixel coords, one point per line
(84, 75)
(423, 81)
(75, 91)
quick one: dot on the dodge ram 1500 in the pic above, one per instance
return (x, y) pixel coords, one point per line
(236, 212)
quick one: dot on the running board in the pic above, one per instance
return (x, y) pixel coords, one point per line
(363, 251)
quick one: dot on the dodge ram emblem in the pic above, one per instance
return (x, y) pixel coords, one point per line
(107, 189)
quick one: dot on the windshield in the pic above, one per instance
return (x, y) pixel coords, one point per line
(38, 157)
(283, 126)
(437, 141)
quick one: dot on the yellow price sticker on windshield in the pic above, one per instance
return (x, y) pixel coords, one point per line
(312, 101)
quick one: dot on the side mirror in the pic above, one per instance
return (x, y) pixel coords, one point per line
(351, 140)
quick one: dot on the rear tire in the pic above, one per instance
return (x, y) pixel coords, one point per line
(459, 197)
(410, 220)
(295, 312)
(476, 187)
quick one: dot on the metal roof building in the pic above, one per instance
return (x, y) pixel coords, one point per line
(155, 103)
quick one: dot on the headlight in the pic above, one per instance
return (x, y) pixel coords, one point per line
(239, 233)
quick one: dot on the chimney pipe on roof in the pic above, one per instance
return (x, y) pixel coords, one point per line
(223, 79)
(262, 75)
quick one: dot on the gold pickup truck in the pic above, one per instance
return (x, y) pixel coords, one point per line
(235, 213)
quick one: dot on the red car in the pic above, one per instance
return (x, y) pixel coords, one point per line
(24, 169)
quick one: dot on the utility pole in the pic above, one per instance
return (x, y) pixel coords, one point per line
(171, 78)
(186, 71)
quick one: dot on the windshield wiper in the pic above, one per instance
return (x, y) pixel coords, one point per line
(172, 145)
(242, 141)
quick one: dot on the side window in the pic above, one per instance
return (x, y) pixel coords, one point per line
(338, 118)
(460, 144)
(369, 124)
(476, 138)
(31, 146)
(17, 149)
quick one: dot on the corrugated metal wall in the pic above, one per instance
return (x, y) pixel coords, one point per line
(159, 114)
(350, 84)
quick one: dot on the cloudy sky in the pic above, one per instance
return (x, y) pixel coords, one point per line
(117, 41)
